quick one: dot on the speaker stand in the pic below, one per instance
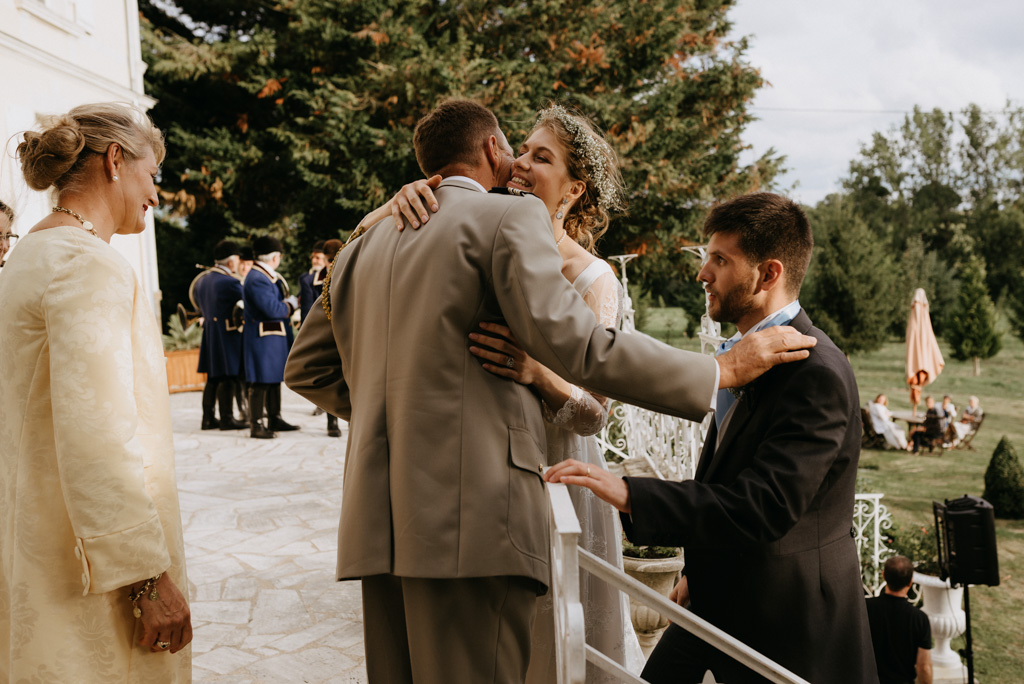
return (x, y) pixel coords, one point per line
(967, 651)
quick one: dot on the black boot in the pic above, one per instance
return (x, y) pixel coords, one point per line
(332, 426)
(257, 398)
(241, 396)
(209, 402)
(226, 399)
(274, 419)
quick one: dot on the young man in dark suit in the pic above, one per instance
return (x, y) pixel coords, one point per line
(766, 523)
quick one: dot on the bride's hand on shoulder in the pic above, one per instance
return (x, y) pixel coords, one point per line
(410, 200)
(496, 353)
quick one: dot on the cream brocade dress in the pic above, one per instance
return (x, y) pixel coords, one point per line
(570, 434)
(88, 498)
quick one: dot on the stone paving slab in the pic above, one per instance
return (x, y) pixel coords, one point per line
(261, 523)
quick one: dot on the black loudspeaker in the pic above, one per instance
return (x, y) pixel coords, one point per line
(965, 530)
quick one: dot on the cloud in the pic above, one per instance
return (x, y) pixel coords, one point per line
(873, 56)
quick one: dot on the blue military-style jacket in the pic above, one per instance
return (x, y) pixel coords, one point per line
(267, 336)
(311, 286)
(215, 292)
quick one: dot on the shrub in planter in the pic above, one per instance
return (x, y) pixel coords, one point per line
(1004, 482)
(916, 542)
(631, 550)
(179, 338)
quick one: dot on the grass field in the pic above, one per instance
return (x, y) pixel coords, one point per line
(911, 482)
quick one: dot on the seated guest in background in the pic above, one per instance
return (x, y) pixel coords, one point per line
(900, 631)
(765, 523)
(931, 430)
(969, 420)
(948, 411)
(881, 421)
(216, 293)
(6, 221)
(312, 282)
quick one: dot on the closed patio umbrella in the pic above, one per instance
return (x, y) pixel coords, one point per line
(924, 360)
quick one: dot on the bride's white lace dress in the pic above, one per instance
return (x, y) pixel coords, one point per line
(570, 434)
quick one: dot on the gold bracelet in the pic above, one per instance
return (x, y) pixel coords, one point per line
(148, 587)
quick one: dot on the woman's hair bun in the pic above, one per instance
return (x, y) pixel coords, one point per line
(47, 156)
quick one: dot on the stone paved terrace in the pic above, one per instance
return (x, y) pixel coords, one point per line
(261, 523)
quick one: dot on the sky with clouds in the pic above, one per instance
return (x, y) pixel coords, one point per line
(866, 62)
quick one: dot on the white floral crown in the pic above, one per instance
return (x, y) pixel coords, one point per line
(595, 153)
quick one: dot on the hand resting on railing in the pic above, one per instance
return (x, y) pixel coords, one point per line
(609, 488)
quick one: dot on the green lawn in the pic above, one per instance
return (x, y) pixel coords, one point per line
(911, 482)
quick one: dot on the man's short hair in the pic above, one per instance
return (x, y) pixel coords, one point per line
(898, 572)
(769, 226)
(453, 133)
(331, 248)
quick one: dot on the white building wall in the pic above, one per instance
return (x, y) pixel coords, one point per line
(55, 55)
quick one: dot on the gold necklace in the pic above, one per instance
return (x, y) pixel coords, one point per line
(85, 224)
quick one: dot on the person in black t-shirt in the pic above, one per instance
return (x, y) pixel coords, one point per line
(900, 631)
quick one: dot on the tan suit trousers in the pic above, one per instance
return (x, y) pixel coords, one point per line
(439, 631)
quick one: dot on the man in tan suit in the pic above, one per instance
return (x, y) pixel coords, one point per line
(444, 512)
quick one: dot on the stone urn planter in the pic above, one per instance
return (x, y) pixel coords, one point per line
(943, 606)
(660, 574)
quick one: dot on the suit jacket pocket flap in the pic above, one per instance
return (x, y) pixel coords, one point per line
(272, 328)
(526, 454)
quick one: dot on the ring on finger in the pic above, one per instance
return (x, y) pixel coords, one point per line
(164, 644)
(588, 471)
(510, 362)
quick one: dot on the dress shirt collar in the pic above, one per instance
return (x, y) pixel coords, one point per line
(467, 179)
(785, 314)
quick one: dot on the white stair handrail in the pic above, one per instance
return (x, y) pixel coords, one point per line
(571, 650)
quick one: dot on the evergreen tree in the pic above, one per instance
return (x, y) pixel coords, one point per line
(1016, 302)
(1004, 482)
(849, 289)
(295, 118)
(919, 268)
(972, 327)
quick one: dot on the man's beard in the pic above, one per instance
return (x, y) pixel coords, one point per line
(733, 305)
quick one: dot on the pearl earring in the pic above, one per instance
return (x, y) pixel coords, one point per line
(114, 178)
(559, 214)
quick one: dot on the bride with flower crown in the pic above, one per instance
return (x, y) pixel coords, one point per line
(573, 170)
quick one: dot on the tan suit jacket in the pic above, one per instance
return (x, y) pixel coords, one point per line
(442, 477)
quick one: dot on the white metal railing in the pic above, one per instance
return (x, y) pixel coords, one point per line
(571, 650)
(870, 519)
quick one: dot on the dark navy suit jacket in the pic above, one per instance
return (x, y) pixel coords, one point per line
(767, 522)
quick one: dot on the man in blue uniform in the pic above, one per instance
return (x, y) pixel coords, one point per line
(311, 284)
(215, 293)
(267, 337)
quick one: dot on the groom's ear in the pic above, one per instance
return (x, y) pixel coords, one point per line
(492, 151)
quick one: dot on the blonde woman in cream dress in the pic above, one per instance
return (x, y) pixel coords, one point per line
(88, 501)
(573, 171)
